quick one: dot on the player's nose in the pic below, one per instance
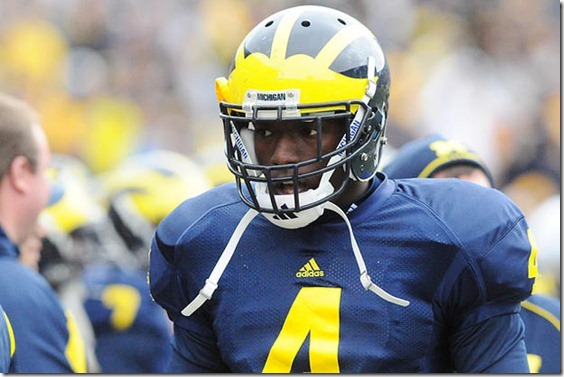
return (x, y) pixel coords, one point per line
(286, 150)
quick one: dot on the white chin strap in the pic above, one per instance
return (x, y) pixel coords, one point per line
(294, 220)
(364, 277)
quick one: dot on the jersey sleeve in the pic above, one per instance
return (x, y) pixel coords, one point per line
(509, 270)
(487, 281)
(174, 281)
(494, 272)
(172, 274)
(194, 345)
(497, 346)
(163, 277)
(187, 244)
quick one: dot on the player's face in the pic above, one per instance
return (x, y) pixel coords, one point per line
(290, 142)
(37, 183)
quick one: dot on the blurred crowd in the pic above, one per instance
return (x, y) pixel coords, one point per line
(117, 81)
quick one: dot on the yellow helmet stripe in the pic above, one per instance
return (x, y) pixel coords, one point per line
(338, 43)
(280, 42)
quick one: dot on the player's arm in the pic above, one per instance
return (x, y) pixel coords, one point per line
(496, 272)
(495, 345)
(194, 345)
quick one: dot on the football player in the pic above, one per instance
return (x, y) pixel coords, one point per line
(96, 272)
(436, 157)
(129, 326)
(312, 261)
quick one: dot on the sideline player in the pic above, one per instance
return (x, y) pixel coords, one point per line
(436, 157)
(314, 262)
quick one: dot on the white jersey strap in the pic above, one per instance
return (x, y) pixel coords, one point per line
(364, 277)
(211, 282)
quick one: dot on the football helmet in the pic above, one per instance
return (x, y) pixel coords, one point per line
(305, 64)
(78, 230)
(145, 188)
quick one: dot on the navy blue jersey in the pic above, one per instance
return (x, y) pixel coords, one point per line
(541, 315)
(292, 301)
(38, 320)
(132, 332)
(7, 346)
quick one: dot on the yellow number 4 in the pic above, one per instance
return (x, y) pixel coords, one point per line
(315, 311)
(533, 265)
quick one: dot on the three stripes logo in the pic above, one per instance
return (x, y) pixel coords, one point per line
(309, 270)
(285, 216)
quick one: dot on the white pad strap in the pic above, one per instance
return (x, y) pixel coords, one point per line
(364, 277)
(211, 283)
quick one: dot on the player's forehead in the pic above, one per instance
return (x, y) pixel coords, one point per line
(289, 124)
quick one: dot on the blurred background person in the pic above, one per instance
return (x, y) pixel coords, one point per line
(30, 248)
(436, 157)
(96, 251)
(545, 221)
(52, 344)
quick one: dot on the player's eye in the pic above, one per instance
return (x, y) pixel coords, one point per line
(263, 132)
(310, 132)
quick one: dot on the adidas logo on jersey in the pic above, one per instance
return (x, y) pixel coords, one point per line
(310, 270)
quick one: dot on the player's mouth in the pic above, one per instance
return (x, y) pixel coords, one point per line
(287, 188)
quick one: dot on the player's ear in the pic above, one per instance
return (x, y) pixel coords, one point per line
(19, 174)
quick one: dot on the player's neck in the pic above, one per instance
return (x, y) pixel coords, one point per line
(353, 192)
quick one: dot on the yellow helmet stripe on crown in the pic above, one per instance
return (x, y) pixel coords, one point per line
(280, 42)
(275, 71)
(337, 44)
(328, 53)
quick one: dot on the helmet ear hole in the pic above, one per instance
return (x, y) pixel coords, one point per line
(363, 167)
